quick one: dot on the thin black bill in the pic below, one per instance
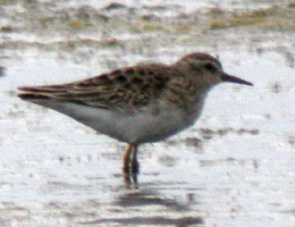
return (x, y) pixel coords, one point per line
(228, 78)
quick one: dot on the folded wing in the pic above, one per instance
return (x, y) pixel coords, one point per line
(123, 88)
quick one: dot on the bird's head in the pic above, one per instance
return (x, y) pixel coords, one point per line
(207, 70)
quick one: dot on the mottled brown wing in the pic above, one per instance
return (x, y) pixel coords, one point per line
(123, 88)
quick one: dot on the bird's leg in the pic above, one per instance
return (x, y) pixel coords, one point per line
(134, 163)
(131, 165)
(127, 157)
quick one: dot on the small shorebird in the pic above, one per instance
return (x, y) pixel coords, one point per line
(139, 104)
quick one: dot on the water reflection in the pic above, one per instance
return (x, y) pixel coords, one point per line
(148, 197)
(159, 221)
(131, 180)
(149, 207)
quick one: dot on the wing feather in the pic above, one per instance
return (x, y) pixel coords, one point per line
(123, 88)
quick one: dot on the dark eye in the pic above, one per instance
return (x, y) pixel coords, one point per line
(210, 67)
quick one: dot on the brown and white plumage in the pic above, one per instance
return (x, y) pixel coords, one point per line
(144, 103)
(124, 88)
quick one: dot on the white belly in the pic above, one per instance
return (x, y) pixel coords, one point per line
(137, 127)
(133, 128)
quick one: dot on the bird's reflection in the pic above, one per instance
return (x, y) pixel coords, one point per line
(144, 205)
(143, 200)
(141, 207)
(131, 180)
(145, 197)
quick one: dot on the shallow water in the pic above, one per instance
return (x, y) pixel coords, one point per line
(235, 167)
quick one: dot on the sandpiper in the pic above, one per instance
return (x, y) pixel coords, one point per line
(139, 104)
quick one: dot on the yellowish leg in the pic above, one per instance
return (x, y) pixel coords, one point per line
(131, 165)
(127, 156)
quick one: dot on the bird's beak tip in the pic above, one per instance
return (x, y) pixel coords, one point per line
(228, 78)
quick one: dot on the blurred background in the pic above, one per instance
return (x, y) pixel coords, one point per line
(235, 167)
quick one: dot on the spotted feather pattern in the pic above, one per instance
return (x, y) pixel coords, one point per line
(123, 88)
